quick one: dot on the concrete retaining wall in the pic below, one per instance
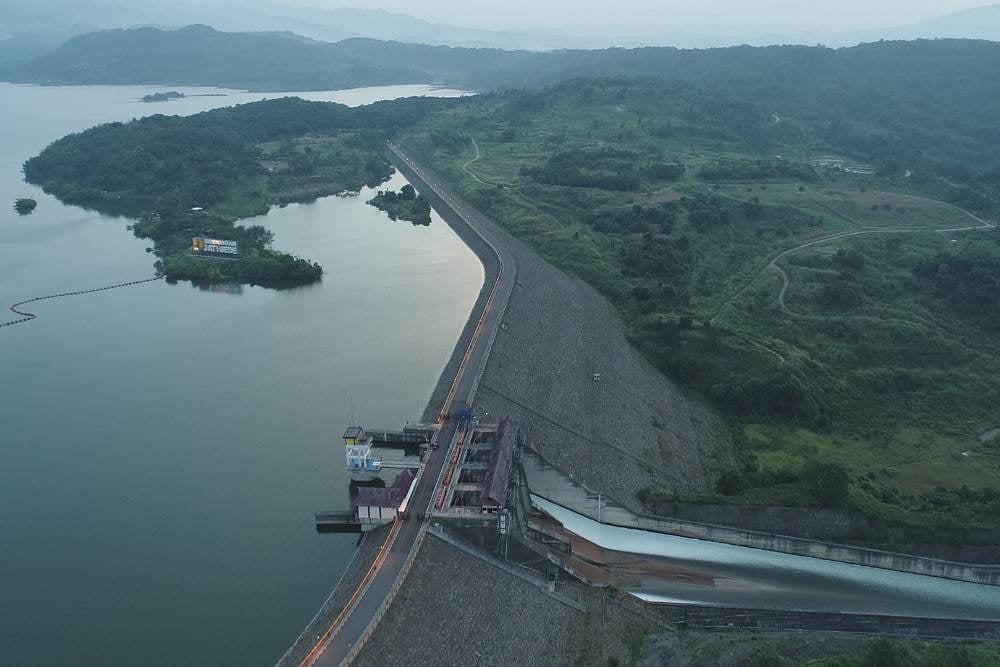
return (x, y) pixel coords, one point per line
(695, 616)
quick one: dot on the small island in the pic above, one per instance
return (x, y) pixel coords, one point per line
(163, 97)
(24, 206)
(404, 205)
(176, 234)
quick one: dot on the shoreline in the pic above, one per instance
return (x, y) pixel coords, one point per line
(491, 270)
(491, 263)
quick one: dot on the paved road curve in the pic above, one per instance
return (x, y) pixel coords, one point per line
(364, 607)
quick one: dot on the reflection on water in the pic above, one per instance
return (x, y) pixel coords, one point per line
(223, 288)
(755, 578)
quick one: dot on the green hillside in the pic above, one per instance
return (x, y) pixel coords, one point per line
(201, 56)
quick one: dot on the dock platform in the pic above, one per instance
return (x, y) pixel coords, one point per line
(411, 435)
(337, 522)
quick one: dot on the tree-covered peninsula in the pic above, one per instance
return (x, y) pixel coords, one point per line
(198, 175)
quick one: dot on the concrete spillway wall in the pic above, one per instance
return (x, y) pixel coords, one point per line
(724, 618)
(546, 481)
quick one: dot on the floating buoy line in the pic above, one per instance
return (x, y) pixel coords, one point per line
(27, 316)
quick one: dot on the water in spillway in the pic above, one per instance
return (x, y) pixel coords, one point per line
(755, 578)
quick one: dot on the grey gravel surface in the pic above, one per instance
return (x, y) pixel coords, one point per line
(456, 609)
(631, 428)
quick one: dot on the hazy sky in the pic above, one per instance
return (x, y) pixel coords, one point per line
(650, 16)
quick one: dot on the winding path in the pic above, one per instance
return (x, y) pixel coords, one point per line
(773, 265)
(786, 282)
(465, 167)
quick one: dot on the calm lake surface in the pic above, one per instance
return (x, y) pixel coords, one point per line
(163, 448)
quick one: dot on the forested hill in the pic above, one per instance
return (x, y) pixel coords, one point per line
(198, 55)
(950, 80)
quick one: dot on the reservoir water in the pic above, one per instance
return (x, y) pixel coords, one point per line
(163, 448)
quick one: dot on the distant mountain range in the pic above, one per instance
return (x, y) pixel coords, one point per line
(29, 20)
(281, 61)
(329, 25)
(201, 56)
(978, 23)
(30, 44)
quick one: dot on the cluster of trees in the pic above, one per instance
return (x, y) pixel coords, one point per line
(163, 97)
(604, 168)
(172, 231)
(449, 140)
(787, 393)
(667, 171)
(968, 278)
(841, 293)
(264, 267)
(404, 205)
(156, 157)
(828, 484)
(635, 219)
(653, 257)
(706, 211)
(25, 205)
